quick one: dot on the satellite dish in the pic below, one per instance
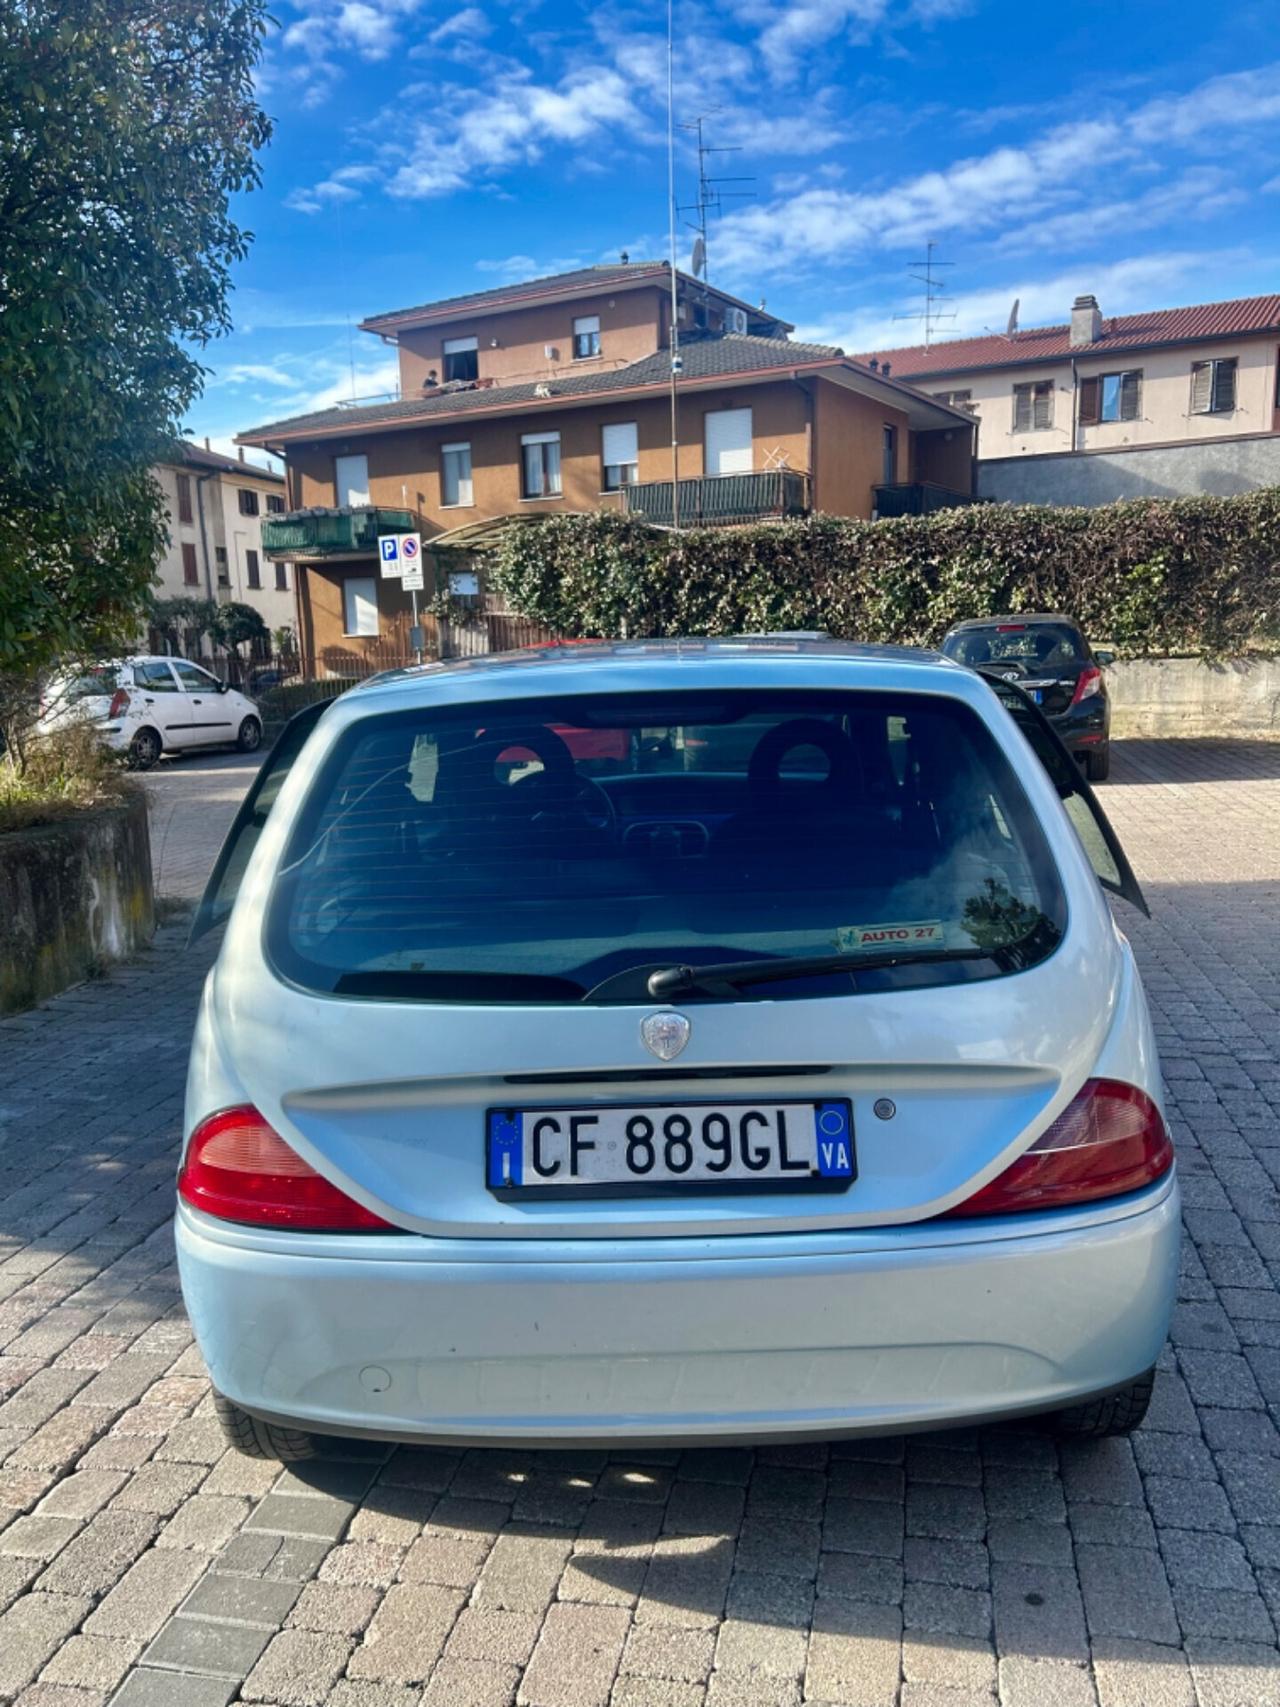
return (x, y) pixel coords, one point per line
(699, 262)
(1012, 327)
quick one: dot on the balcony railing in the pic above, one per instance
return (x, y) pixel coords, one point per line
(721, 500)
(346, 532)
(920, 498)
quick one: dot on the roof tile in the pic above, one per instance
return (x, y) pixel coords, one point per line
(1121, 332)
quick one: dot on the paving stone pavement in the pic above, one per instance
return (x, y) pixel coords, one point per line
(143, 1564)
(192, 801)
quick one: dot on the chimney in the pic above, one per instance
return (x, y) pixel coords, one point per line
(207, 445)
(241, 449)
(1086, 321)
(624, 258)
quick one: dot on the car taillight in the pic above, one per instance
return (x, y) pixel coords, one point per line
(1089, 683)
(119, 703)
(240, 1169)
(1110, 1139)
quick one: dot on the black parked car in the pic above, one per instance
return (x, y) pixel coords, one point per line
(1052, 662)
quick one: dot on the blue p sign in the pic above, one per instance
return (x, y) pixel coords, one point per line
(390, 548)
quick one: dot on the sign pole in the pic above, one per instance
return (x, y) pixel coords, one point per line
(417, 630)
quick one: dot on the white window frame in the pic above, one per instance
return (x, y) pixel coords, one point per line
(464, 488)
(624, 469)
(350, 494)
(528, 440)
(357, 617)
(459, 347)
(587, 328)
(744, 455)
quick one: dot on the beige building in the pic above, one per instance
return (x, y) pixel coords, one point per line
(216, 507)
(1170, 377)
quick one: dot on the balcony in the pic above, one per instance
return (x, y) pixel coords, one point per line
(920, 498)
(346, 532)
(721, 500)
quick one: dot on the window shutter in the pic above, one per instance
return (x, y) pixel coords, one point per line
(620, 447)
(1131, 395)
(1021, 408)
(1224, 384)
(728, 441)
(1043, 415)
(1201, 387)
(1090, 402)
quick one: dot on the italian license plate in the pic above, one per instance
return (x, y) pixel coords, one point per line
(670, 1148)
(1036, 695)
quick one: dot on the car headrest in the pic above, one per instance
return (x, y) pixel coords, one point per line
(468, 781)
(844, 774)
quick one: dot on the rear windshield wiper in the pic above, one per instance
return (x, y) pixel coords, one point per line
(679, 980)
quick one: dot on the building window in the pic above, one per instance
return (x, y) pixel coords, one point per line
(184, 498)
(351, 480)
(1213, 386)
(1033, 406)
(586, 337)
(889, 456)
(360, 605)
(220, 563)
(282, 577)
(461, 359)
(248, 502)
(1111, 397)
(620, 453)
(275, 504)
(252, 568)
(957, 399)
(455, 476)
(190, 569)
(727, 436)
(540, 465)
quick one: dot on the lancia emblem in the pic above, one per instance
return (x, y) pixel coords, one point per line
(1012, 676)
(665, 1034)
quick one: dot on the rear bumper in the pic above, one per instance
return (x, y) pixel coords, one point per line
(801, 1335)
(1085, 726)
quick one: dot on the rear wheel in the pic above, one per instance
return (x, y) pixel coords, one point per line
(144, 750)
(1118, 1413)
(1098, 765)
(250, 737)
(258, 1439)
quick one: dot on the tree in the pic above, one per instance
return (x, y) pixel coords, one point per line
(236, 625)
(125, 128)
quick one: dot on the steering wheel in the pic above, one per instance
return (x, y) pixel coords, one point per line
(595, 803)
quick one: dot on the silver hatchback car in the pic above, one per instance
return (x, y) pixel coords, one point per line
(676, 1041)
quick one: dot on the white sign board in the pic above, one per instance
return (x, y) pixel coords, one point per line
(411, 574)
(389, 555)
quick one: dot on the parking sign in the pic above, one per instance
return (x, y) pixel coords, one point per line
(389, 555)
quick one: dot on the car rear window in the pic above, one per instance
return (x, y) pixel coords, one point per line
(559, 851)
(1032, 647)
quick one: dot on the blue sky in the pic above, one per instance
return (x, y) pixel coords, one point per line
(422, 151)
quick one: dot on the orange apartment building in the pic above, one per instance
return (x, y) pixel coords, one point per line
(555, 396)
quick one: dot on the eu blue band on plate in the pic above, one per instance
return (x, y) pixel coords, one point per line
(835, 1143)
(506, 1147)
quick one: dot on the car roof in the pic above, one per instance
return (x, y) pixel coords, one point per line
(1022, 617)
(629, 666)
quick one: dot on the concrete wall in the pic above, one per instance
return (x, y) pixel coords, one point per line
(1165, 406)
(73, 897)
(1220, 468)
(1172, 697)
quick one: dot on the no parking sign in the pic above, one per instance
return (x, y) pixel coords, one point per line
(411, 573)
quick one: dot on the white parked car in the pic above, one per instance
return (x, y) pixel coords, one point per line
(144, 707)
(783, 1076)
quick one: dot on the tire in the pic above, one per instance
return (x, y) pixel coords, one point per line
(144, 750)
(1098, 765)
(1118, 1413)
(258, 1439)
(249, 738)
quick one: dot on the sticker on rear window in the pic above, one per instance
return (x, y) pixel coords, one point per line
(856, 938)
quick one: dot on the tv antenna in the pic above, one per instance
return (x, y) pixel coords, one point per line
(935, 292)
(713, 193)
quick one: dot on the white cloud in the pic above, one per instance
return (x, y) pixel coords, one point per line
(470, 23)
(1197, 194)
(1122, 287)
(255, 373)
(1271, 187)
(1002, 190)
(470, 135)
(368, 28)
(796, 29)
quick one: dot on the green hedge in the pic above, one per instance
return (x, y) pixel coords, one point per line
(1150, 576)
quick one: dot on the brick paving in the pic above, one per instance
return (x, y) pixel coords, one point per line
(143, 1565)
